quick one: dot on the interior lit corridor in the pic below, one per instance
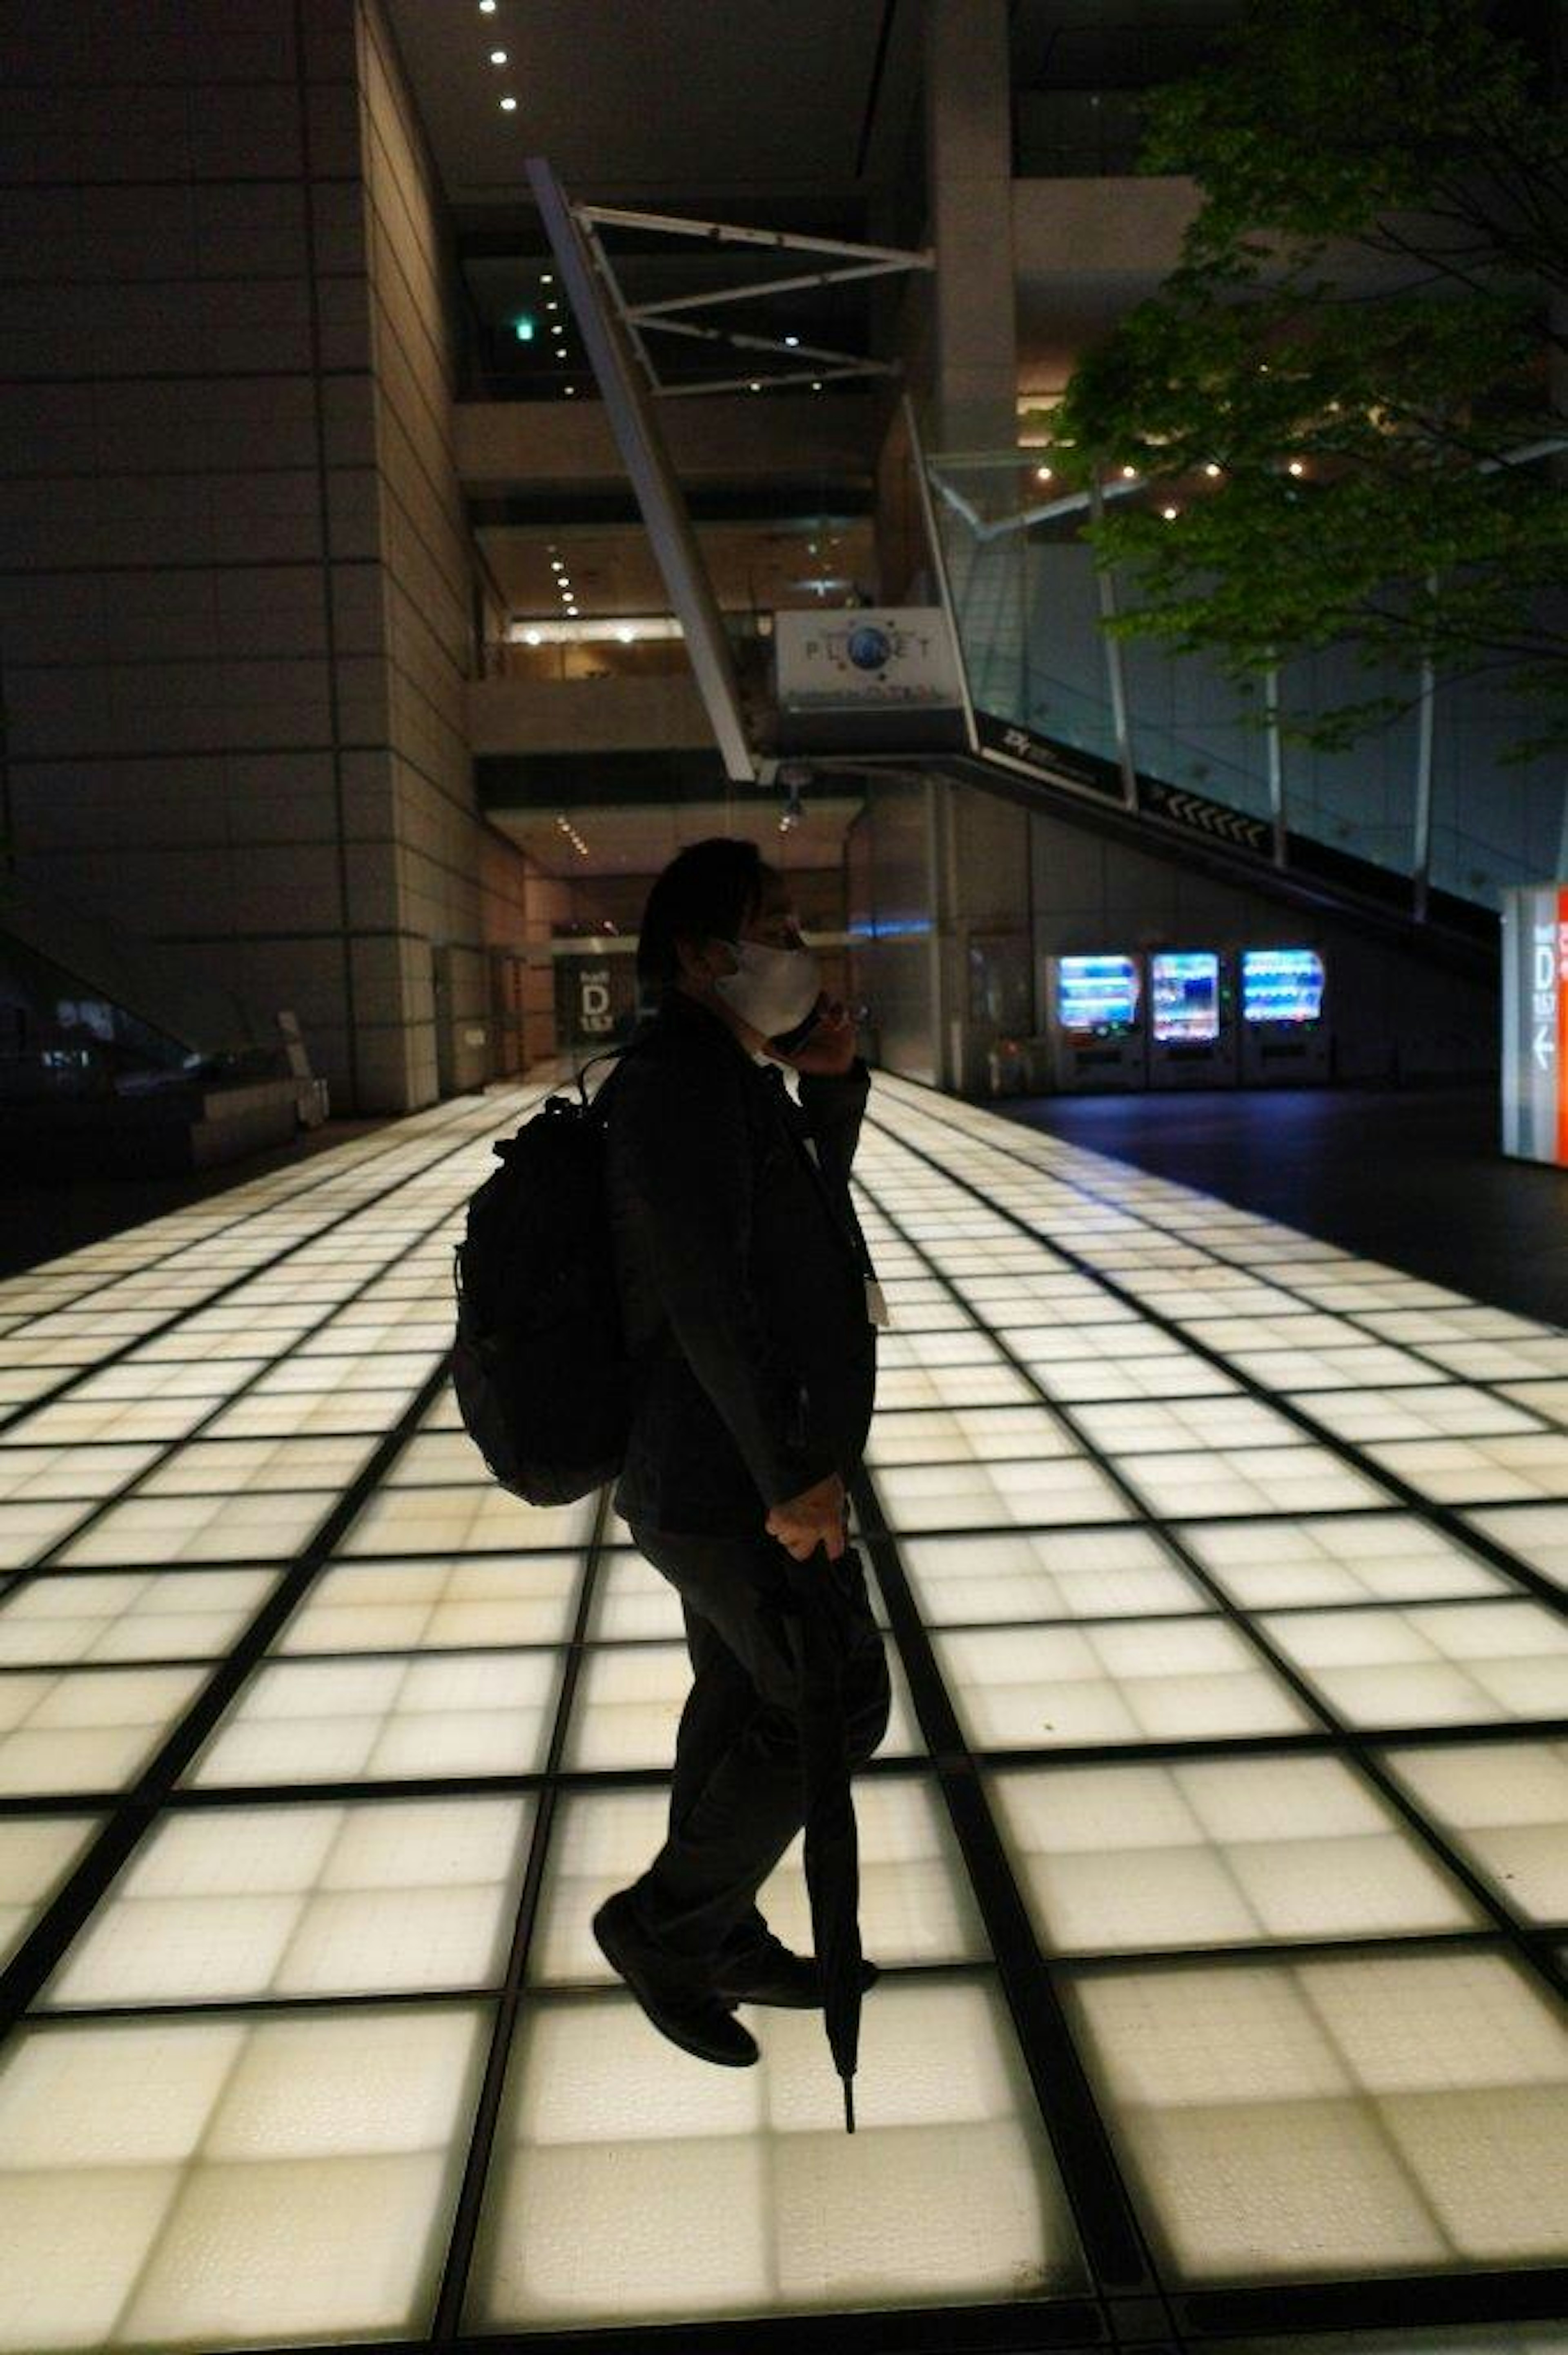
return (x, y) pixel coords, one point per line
(1216, 1858)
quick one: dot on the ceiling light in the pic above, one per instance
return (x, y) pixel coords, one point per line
(1129, 473)
(755, 386)
(816, 384)
(509, 106)
(1169, 514)
(626, 636)
(568, 389)
(555, 564)
(792, 341)
(546, 278)
(531, 637)
(1210, 470)
(1296, 467)
(1043, 474)
(498, 56)
(487, 7)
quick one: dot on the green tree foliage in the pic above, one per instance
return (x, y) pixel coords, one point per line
(1334, 391)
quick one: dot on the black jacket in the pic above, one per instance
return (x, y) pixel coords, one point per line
(742, 1274)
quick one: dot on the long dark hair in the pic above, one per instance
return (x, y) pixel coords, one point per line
(707, 892)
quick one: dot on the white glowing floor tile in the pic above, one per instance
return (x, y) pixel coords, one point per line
(988, 1496)
(270, 1526)
(967, 1348)
(1446, 1664)
(1165, 1679)
(916, 1903)
(1480, 1471)
(46, 1475)
(1435, 1409)
(1173, 1373)
(436, 1459)
(1116, 1572)
(392, 1719)
(633, 1604)
(321, 1378)
(64, 1616)
(1359, 1366)
(1252, 1480)
(1548, 1400)
(498, 1600)
(29, 1531)
(86, 1729)
(1219, 1852)
(451, 1520)
(1339, 2117)
(306, 1901)
(1536, 1534)
(36, 1852)
(629, 1701)
(606, 2130)
(971, 1433)
(1499, 1361)
(1504, 1805)
(200, 2182)
(1155, 1425)
(905, 1387)
(1390, 1557)
(235, 1468)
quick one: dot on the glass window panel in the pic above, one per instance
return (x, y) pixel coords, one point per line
(1340, 1557)
(295, 1900)
(606, 2130)
(1116, 1572)
(1216, 1852)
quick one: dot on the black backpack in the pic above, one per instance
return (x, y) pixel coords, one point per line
(539, 1362)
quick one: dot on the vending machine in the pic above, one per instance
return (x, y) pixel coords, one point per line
(1192, 1019)
(1095, 1020)
(1285, 1036)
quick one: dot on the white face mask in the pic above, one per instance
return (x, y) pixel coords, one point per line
(774, 990)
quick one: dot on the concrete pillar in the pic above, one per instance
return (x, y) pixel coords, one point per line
(969, 149)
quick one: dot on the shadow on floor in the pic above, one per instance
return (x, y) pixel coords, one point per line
(1413, 1177)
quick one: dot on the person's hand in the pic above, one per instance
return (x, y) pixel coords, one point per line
(814, 1517)
(827, 1053)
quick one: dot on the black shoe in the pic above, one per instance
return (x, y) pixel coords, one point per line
(699, 2023)
(771, 1974)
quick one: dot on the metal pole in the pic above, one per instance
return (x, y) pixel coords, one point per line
(1115, 678)
(1275, 765)
(1421, 866)
(630, 414)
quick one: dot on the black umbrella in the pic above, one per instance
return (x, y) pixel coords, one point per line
(821, 1629)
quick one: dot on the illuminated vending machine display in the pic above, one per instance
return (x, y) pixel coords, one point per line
(1286, 1039)
(1095, 1010)
(1535, 1022)
(1192, 1019)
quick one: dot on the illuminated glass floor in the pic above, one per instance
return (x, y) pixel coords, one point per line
(1217, 1857)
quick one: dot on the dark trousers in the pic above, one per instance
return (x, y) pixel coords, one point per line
(735, 1802)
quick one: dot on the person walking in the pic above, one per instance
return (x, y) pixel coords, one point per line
(747, 1297)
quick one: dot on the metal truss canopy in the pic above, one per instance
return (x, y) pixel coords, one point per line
(841, 262)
